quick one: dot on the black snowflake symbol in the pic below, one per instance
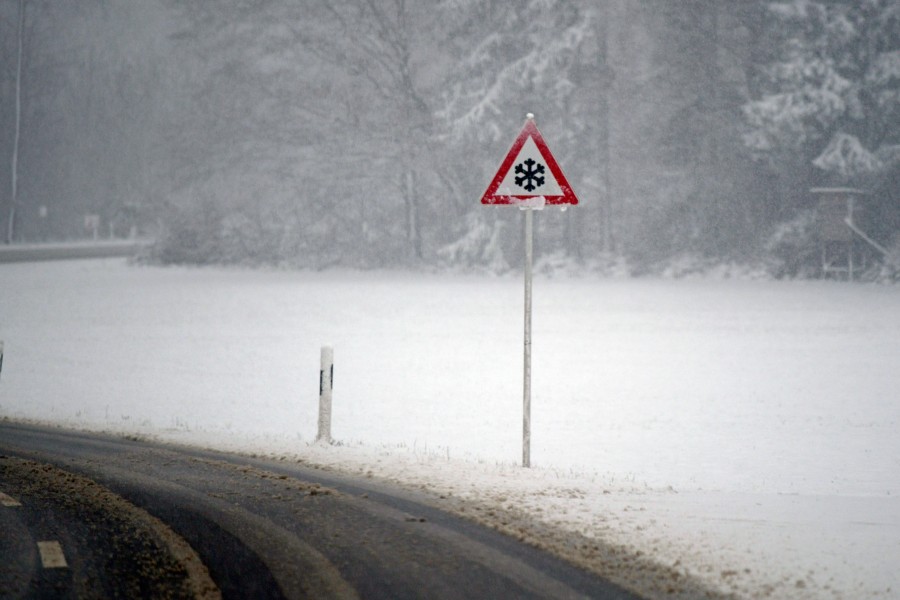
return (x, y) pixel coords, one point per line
(530, 175)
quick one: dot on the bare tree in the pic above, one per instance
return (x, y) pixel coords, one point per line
(14, 168)
(375, 43)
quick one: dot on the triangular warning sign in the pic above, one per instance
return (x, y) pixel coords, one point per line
(529, 171)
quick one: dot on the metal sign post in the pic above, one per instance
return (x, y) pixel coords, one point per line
(529, 178)
(526, 401)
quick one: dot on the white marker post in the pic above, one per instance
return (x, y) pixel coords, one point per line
(529, 178)
(326, 383)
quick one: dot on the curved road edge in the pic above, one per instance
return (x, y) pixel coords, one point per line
(451, 518)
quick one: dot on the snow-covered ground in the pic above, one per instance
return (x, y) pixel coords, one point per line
(744, 433)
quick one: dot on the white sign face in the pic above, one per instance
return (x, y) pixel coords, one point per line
(529, 175)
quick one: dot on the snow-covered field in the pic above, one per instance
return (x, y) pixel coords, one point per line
(741, 432)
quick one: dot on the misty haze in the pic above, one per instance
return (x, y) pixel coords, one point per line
(343, 133)
(238, 185)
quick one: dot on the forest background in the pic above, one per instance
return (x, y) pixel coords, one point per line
(362, 133)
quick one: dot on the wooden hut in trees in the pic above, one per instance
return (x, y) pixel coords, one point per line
(844, 245)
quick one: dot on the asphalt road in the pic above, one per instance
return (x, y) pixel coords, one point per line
(134, 519)
(71, 250)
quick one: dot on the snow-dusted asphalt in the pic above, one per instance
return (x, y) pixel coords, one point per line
(274, 529)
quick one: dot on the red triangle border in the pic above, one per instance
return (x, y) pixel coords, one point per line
(529, 130)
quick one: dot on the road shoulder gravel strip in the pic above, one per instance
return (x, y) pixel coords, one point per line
(118, 546)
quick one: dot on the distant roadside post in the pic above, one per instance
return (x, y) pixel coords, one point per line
(530, 178)
(326, 385)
